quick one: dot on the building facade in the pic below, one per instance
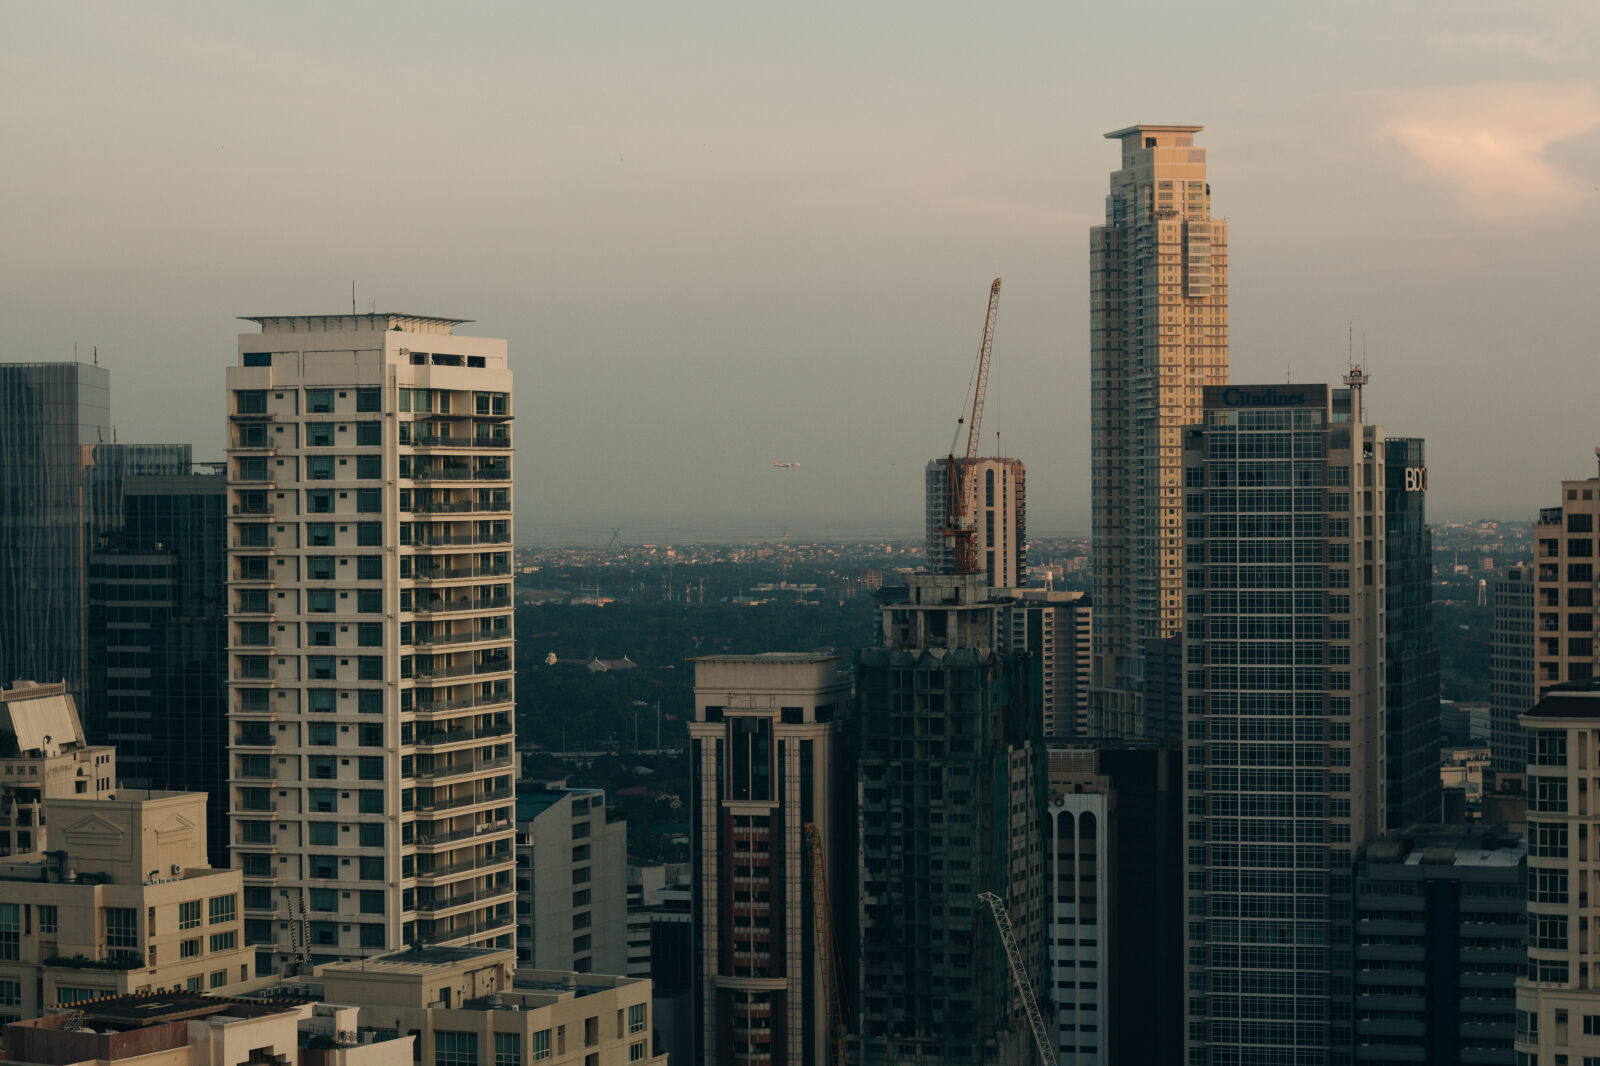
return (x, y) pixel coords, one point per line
(1512, 689)
(1558, 1005)
(1564, 585)
(158, 638)
(767, 771)
(1114, 899)
(1158, 305)
(43, 757)
(370, 636)
(1440, 936)
(997, 494)
(1055, 630)
(1284, 704)
(572, 880)
(1412, 732)
(950, 778)
(123, 902)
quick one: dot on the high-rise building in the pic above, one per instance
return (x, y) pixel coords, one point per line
(1055, 629)
(572, 880)
(950, 775)
(158, 638)
(997, 494)
(1158, 305)
(370, 638)
(1563, 583)
(1113, 840)
(1558, 1003)
(1412, 733)
(1511, 666)
(1440, 936)
(1283, 714)
(60, 497)
(767, 765)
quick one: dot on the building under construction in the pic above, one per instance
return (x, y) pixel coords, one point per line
(996, 490)
(950, 780)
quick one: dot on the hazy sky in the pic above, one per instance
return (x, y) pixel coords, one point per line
(719, 235)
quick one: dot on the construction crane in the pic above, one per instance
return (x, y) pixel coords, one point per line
(1019, 976)
(960, 514)
(827, 946)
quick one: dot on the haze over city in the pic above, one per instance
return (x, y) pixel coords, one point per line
(718, 237)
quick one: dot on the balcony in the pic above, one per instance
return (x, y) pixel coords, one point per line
(444, 706)
(458, 604)
(460, 506)
(462, 573)
(438, 641)
(464, 899)
(254, 740)
(452, 803)
(441, 839)
(461, 928)
(461, 769)
(471, 862)
(427, 441)
(460, 540)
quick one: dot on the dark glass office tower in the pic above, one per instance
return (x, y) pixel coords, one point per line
(158, 633)
(1411, 731)
(52, 418)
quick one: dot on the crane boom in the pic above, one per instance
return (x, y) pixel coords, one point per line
(827, 947)
(1019, 976)
(960, 510)
(981, 383)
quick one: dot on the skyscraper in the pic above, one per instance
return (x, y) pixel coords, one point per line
(950, 775)
(371, 635)
(1054, 628)
(1512, 689)
(1158, 302)
(158, 638)
(1564, 563)
(1283, 711)
(60, 496)
(1411, 727)
(766, 738)
(997, 491)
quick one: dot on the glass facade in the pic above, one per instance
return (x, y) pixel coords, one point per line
(1411, 730)
(158, 641)
(52, 418)
(1283, 690)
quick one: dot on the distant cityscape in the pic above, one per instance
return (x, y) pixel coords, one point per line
(307, 755)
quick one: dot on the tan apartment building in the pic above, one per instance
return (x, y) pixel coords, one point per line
(1558, 1001)
(1055, 627)
(997, 496)
(43, 756)
(1158, 300)
(1564, 582)
(370, 614)
(125, 903)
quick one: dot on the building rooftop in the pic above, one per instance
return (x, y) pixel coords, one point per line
(415, 960)
(1150, 127)
(1572, 699)
(770, 657)
(372, 320)
(1449, 845)
(533, 802)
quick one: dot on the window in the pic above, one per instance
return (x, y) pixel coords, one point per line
(319, 535)
(218, 978)
(369, 701)
(322, 867)
(323, 834)
(371, 768)
(369, 434)
(369, 534)
(370, 634)
(189, 948)
(369, 501)
(372, 936)
(10, 993)
(369, 568)
(47, 919)
(324, 899)
(541, 1045)
(319, 401)
(636, 1052)
(224, 941)
(66, 997)
(10, 930)
(636, 1019)
(371, 834)
(369, 801)
(319, 435)
(455, 1049)
(508, 1049)
(369, 601)
(371, 902)
(369, 668)
(189, 914)
(369, 399)
(371, 868)
(122, 926)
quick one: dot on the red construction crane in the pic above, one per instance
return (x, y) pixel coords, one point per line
(959, 511)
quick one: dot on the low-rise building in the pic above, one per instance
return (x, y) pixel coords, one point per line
(1440, 936)
(472, 1007)
(43, 755)
(572, 880)
(125, 904)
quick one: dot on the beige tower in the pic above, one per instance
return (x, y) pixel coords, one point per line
(1158, 295)
(998, 498)
(370, 691)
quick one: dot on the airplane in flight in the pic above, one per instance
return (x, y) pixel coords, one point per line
(785, 466)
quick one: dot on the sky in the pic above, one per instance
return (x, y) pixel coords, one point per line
(722, 235)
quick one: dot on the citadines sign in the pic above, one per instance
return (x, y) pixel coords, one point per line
(1219, 396)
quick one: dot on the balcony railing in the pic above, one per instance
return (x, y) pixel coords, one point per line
(461, 540)
(461, 769)
(460, 442)
(443, 706)
(471, 862)
(457, 604)
(462, 899)
(421, 640)
(463, 572)
(440, 839)
(439, 738)
(459, 506)
(456, 802)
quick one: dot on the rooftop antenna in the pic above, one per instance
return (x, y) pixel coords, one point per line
(1355, 376)
(97, 355)
(352, 296)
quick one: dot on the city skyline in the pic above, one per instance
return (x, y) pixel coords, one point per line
(687, 261)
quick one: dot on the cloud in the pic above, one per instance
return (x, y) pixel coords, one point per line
(1491, 143)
